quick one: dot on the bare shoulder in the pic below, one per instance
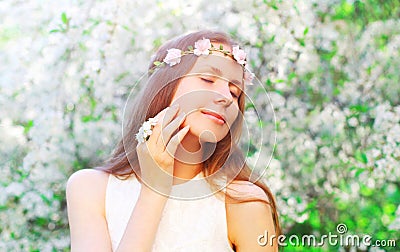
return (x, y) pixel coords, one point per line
(249, 219)
(245, 190)
(87, 185)
(86, 210)
(88, 179)
(88, 175)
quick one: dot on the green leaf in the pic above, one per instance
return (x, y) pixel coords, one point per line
(361, 157)
(86, 118)
(268, 83)
(359, 171)
(157, 63)
(305, 31)
(122, 75)
(344, 10)
(314, 219)
(365, 191)
(327, 55)
(292, 75)
(28, 126)
(361, 108)
(389, 209)
(270, 40)
(64, 18)
(45, 199)
(41, 221)
(301, 41)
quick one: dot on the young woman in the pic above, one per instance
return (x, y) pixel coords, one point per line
(177, 180)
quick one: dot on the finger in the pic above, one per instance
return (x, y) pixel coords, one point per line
(176, 140)
(161, 117)
(160, 114)
(169, 130)
(169, 115)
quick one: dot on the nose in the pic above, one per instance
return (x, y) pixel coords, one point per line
(223, 100)
(223, 96)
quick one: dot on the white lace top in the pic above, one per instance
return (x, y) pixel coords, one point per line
(186, 225)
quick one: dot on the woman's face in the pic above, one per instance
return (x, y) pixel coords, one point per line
(209, 94)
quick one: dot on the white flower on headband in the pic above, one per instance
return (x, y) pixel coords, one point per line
(239, 55)
(202, 47)
(173, 56)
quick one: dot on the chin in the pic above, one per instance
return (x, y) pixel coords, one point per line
(208, 135)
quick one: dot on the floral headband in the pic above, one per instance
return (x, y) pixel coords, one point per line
(204, 47)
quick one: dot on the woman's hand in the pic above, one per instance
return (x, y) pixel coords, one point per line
(156, 155)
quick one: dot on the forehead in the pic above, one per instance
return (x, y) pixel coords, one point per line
(220, 65)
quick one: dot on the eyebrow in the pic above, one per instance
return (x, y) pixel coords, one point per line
(218, 72)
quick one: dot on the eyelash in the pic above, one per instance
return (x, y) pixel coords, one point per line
(207, 80)
(211, 81)
(234, 95)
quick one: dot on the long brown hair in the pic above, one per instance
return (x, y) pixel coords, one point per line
(157, 95)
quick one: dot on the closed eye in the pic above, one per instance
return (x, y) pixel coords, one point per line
(235, 91)
(234, 94)
(207, 80)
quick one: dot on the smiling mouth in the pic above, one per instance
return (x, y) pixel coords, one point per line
(214, 116)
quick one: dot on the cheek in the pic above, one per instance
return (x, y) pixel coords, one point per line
(188, 106)
(184, 89)
(204, 129)
(190, 100)
(232, 113)
(180, 91)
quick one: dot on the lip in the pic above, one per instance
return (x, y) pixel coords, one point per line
(215, 115)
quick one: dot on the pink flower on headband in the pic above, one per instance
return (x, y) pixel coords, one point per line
(239, 55)
(173, 56)
(248, 77)
(202, 46)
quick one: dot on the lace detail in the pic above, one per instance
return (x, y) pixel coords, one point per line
(186, 225)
